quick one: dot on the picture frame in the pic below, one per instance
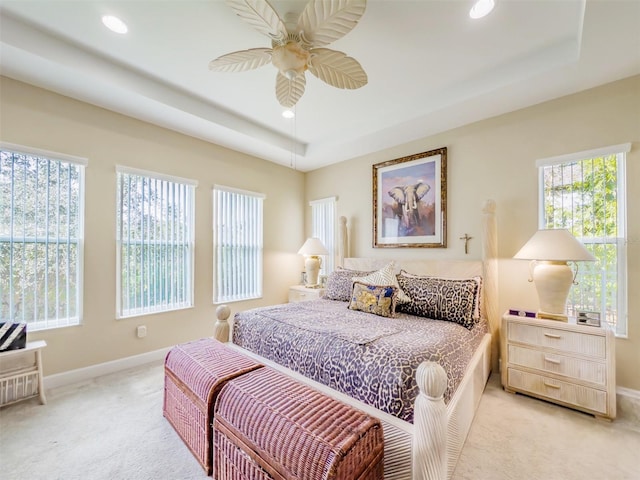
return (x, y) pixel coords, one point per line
(410, 201)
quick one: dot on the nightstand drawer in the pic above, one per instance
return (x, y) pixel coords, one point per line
(302, 294)
(558, 339)
(298, 296)
(588, 371)
(558, 391)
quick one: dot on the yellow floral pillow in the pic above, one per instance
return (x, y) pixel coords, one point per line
(377, 299)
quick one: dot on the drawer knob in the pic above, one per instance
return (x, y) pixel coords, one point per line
(552, 360)
(552, 335)
(550, 385)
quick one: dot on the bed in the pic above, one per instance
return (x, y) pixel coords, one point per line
(429, 398)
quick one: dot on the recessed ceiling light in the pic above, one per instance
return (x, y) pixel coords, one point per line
(481, 8)
(115, 24)
(288, 113)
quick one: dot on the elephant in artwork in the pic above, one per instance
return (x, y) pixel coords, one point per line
(406, 202)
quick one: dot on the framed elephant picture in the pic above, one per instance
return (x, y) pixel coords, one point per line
(410, 201)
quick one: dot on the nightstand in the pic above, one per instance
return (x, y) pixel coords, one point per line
(561, 362)
(300, 293)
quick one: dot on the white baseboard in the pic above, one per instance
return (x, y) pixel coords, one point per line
(628, 404)
(628, 400)
(88, 373)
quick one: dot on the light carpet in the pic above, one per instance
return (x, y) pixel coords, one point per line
(112, 428)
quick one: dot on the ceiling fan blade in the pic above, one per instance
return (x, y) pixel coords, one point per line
(261, 16)
(337, 69)
(323, 22)
(242, 60)
(288, 91)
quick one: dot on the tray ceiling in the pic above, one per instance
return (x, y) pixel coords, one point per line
(430, 68)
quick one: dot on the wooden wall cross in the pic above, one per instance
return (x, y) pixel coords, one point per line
(466, 239)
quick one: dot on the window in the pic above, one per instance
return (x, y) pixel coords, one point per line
(154, 239)
(237, 244)
(41, 237)
(585, 193)
(323, 219)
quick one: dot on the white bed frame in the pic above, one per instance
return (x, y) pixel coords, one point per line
(429, 448)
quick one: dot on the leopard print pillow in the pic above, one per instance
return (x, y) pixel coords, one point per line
(377, 299)
(477, 305)
(339, 283)
(441, 298)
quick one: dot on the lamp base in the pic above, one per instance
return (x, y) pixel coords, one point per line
(553, 281)
(312, 267)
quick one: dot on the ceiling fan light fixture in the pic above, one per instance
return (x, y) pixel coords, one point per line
(114, 24)
(481, 8)
(298, 47)
(290, 59)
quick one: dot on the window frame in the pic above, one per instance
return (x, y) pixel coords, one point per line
(188, 302)
(81, 163)
(220, 297)
(622, 324)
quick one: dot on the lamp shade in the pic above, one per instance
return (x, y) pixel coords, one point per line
(554, 245)
(313, 246)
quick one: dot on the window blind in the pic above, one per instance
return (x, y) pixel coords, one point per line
(238, 244)
(323, 219)
(155, 231)
(41, 237)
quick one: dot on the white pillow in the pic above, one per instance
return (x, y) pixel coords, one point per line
(385, 277)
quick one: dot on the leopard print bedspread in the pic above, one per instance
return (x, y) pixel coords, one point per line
(370, 358)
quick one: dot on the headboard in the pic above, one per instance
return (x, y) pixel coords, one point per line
(487, 268)
(435, 268)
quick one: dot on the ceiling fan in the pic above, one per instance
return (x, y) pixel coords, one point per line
(296, 47)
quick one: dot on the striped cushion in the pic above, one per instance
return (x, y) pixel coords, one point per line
(13, 336)
(385, 276)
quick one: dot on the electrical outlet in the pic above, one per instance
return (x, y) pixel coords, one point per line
(141, 331)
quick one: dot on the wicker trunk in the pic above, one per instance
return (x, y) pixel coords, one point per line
(269, 426)
(195, 372)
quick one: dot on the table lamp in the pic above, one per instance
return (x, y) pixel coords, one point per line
(549, 252)
(311, 250)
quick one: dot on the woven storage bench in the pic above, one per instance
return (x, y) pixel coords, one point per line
(194, 374)
(269, 426)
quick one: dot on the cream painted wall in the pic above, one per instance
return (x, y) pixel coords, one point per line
(496, 159)
(37, 118)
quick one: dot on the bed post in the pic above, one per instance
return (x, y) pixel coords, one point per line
(343, 241)
(490, 260)
(430, 424)
(221, 328)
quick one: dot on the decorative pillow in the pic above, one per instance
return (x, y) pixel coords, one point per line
(339, 283)
(478, 298)
(385, 276)
(441, 298)
(377, 299)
